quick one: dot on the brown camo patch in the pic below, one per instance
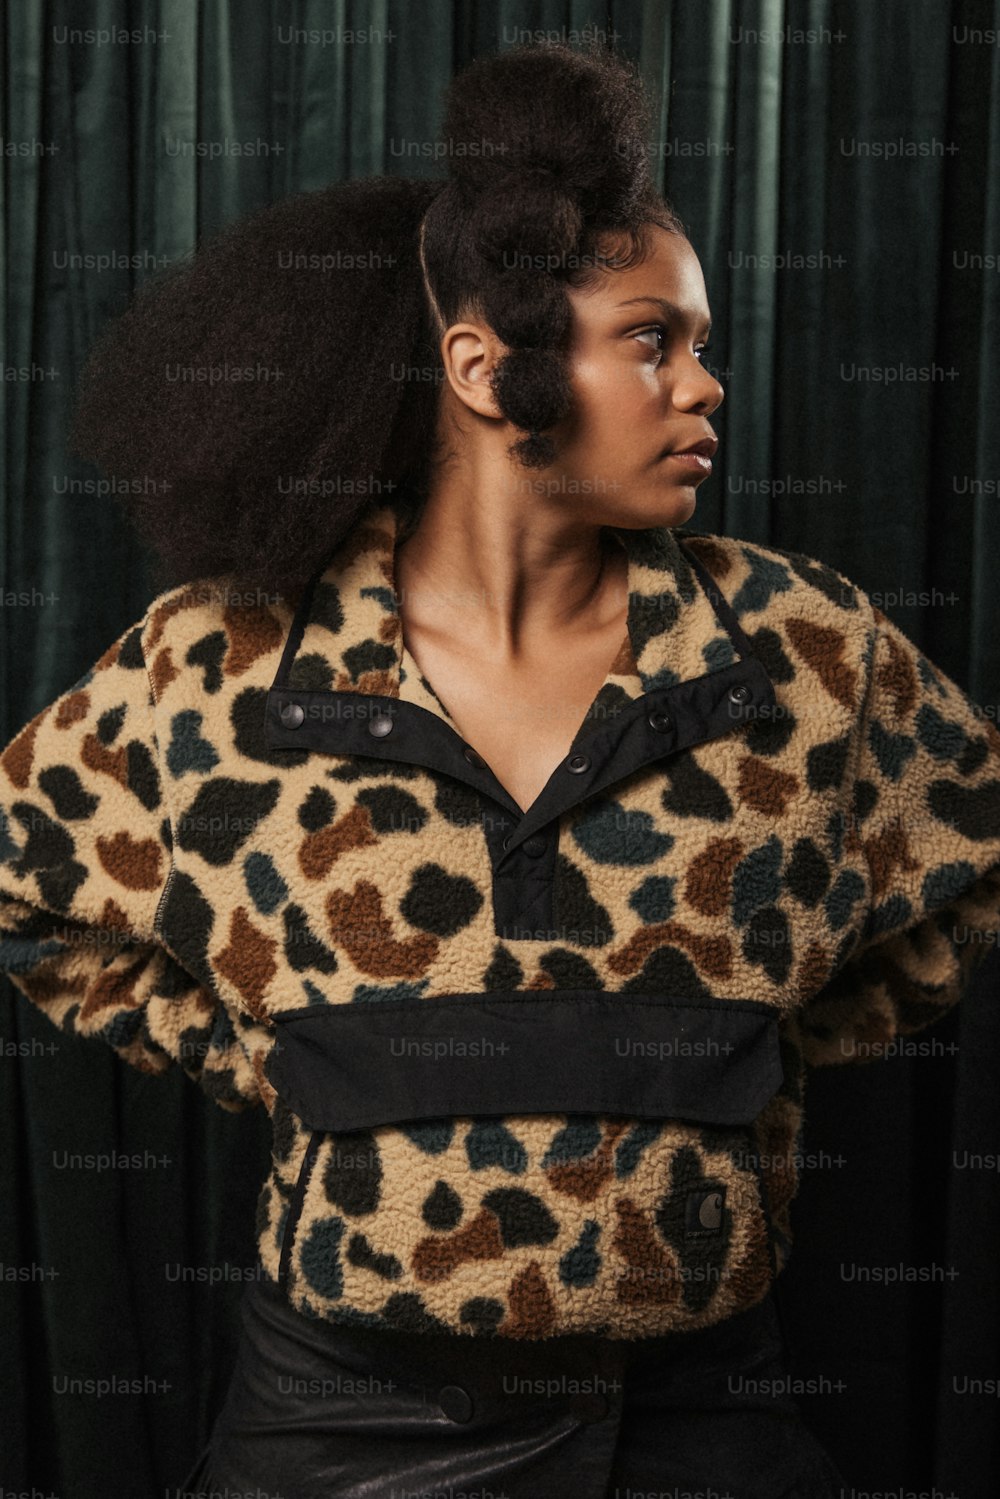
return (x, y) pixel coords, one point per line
(252, 632)
(320, 850)
(764, 787)
(531, 1313)
(72, 709)
(377, 682)
(655, 1280)
(389, 630)
(714, 955)
(248, 961)
(19, 755)
(898, 677)
(707, 885)
(104, 760)
(114, 988)
(813, 970)
(163, 671)
(583, 1179)
(436, 1256)
(716, 559)
(822, 647)
(886, 852)
(114, 918)
(624, 664)
(131, 862)
(188, 598)
(358, 923)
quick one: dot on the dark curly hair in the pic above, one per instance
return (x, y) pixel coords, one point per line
(258, 396)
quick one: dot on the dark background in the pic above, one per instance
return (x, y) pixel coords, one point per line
(874, 147)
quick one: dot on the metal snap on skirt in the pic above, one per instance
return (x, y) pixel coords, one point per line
(318, 1409)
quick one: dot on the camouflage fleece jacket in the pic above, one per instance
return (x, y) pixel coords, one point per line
(529, 1072)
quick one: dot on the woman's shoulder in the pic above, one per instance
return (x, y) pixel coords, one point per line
(758, 577)
(183, 620)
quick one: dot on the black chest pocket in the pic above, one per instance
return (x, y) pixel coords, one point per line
(356, 1066)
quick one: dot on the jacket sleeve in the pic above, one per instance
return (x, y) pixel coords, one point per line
(925, 813)
(85, 851)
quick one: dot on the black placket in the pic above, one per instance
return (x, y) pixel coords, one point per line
(523, 845)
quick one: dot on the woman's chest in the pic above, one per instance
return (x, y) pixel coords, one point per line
(521, 720)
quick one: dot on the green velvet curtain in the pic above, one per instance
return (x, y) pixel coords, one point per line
(837, 164)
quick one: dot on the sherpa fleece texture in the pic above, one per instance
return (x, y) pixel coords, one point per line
(177, 870)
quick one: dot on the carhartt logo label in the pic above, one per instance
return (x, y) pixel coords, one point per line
(710, 1213)
(704, 1211)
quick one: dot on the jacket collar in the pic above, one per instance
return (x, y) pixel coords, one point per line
(346, 685)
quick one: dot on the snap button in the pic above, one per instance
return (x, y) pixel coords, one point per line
(740, 693)
(292, 714)
(506, 841)
(534, 845)
(455, 1402)
(659, 719)
(578, 763)
(472, 757)
(591, 1405)
(380, 725)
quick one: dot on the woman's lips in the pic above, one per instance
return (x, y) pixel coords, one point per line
(699, 461)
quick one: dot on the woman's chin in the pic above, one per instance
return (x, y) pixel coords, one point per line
(678, 504)
(676, 512)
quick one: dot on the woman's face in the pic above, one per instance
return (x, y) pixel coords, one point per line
(640, 390)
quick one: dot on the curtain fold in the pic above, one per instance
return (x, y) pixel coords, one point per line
(837, 165)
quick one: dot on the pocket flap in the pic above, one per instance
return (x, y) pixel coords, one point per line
(355, 1066)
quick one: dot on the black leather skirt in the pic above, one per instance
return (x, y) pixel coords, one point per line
(318, 1409)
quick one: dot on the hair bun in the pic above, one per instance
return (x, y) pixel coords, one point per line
(540, 236)
(572, 120)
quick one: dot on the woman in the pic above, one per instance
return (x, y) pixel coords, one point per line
(520, 851)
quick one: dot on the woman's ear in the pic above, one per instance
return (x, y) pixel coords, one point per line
(470, 353)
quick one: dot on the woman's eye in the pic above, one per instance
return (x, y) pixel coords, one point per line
(658, 330)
